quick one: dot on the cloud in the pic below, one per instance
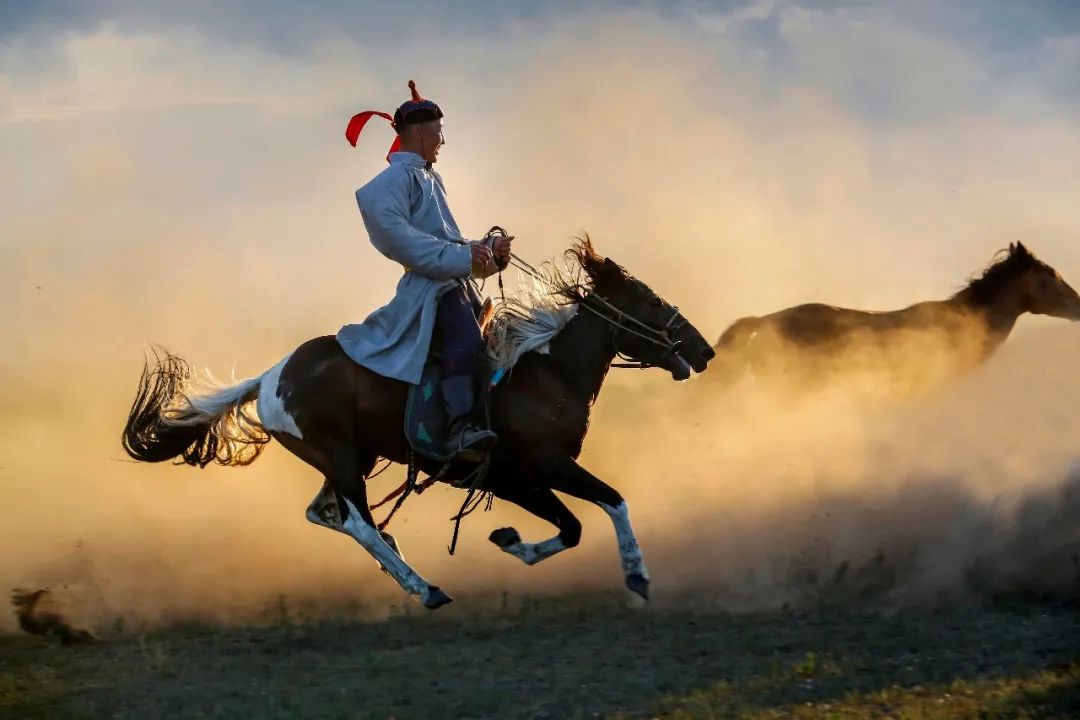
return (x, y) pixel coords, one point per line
(109, 71)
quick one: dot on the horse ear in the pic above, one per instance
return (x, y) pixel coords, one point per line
(1021, 249)
(1012, 248)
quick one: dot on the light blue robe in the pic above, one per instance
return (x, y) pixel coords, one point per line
(408, 220)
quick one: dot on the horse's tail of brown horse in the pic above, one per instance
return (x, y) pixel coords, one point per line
(731, 361)
(170, 419)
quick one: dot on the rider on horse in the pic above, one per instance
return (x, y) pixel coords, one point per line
(408, 220)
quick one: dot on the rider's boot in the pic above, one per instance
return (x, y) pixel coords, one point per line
(467, 439)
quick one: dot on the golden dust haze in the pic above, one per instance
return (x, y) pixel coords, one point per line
(167, 186)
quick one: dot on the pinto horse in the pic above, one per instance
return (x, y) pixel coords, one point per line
(340, 417)
(814, 346)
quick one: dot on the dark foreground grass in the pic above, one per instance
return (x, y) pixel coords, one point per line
(567, 658)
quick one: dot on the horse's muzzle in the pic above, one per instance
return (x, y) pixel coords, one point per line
(680, 369)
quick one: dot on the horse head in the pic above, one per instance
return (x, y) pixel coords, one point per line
(1043, 289)
(646, 328)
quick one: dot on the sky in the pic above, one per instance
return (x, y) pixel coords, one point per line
(177, 173)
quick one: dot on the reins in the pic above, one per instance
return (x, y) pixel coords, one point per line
(602, 308)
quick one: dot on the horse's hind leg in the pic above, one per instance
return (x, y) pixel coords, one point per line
(325, 510)
(565, 475)
(360, 525)
(346, 510)
(542, 503)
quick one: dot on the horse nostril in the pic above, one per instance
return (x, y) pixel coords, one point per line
(708, 353)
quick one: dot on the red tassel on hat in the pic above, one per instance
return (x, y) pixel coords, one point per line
(357, 123)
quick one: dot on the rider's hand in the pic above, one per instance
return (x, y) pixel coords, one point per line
(481, 257)
(501, 250)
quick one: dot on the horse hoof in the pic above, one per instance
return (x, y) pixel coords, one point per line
(638, 585)
(505, 537)
(436, 598)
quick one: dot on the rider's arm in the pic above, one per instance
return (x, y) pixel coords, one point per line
(386, 216)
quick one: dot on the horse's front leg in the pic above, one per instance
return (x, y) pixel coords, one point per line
(541, 502)
(566, 476)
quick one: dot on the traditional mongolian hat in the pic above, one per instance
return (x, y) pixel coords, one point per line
(412, 111)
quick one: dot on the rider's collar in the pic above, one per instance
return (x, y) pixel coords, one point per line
(410, 159)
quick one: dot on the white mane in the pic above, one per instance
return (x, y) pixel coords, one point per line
(530, 322)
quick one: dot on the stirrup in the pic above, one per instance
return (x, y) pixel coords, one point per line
(471, 443)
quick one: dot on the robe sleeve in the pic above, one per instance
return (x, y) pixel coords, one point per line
(385, 209)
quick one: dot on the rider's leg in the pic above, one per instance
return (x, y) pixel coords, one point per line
(462, 344)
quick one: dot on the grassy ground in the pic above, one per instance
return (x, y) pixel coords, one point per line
(579, 657)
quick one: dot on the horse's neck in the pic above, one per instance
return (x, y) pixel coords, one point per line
(583, 352)
(999, 314)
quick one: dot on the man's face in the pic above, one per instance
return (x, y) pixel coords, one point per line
(431, 139)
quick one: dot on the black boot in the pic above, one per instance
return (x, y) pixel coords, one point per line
(466, 439)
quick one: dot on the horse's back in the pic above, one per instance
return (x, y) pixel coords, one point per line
(317, 360)
(323, 346)
(816, 323)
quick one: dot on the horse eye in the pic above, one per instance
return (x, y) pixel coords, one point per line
(656, 302)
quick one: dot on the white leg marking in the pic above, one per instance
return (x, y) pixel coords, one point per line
(532, 553)
(323, 509)
(629, 551)
(370, 539)
(271, 407)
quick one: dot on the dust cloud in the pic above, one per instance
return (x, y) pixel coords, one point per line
(152, 193)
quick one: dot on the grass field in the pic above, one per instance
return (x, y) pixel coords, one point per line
(572, 657)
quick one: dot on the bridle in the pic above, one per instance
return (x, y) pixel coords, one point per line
(620, 322)
(617, 319)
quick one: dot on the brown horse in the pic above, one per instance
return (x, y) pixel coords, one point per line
(815, 346)
(340, 417)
